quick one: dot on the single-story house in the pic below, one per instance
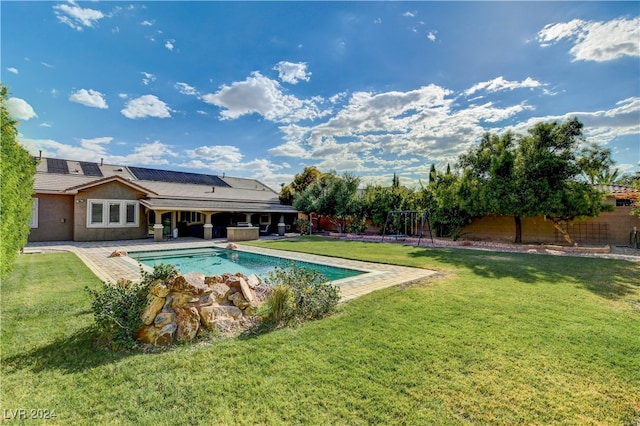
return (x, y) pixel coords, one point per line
(87, 201)
(608, 228)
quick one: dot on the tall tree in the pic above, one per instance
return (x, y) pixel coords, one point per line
(536, 174)
(17, 169)
(597, 165)
(301, 181)
(333, 197)
(432, 175)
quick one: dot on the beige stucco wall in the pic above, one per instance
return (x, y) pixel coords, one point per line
(55, 218)
(242, 233)
(608, 228)
(108, 191)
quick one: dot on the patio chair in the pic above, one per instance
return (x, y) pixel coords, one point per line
(264, 230)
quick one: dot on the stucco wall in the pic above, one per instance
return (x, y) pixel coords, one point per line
(108, 191)
(55, 218)
(608, 228)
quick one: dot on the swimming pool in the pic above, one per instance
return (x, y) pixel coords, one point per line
(216, 261)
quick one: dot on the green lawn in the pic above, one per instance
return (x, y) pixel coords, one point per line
(500, 338)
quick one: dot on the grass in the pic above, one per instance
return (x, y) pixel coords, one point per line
(501, 338)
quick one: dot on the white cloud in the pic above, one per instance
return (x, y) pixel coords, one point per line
(148, 78)
(261, 95)
(217, 154)
(377, 21)
(596, 41)
(291, 72)
(186, 89)
(20, 109)
(499, 83)
(146, 23)
(153, 153)
(410, 14)
(146, 106)
(432, 35)
(90, 98)
(47, 65)
(12, 70)
(96, 144)
(77, 17)
(169, 44)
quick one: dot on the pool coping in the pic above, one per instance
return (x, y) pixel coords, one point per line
(96, 255)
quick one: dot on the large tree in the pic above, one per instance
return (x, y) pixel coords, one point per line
(333, 197)
(301, 181)
(17, 169)
(539, 174)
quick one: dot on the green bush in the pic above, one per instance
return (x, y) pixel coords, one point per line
(302, 226)
(300, 294)
(117, 307)
(17, 169)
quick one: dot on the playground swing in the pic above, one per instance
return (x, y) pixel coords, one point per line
(411, 221)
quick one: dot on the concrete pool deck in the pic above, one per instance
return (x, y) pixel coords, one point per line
(96, 256)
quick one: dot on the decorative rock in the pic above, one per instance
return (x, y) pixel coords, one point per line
(253, 281)
(262, 292)
(159, 289)
(165, 336)
(246, 291)
(164, 318)
(233, 281)
(219, 292)
(188, 322)
(181, 299)
(147, 334)
(206, 300)
(239, 300)
(154, 305)
(119, 253)
(179, 309)
(214, 279)
(189, 283)
(232, 246)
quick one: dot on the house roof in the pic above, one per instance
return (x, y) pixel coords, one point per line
(163, 189)
(621, 191)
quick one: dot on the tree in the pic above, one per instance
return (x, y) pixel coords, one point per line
(597, 165)
(17, 169)
(334, 197)
(432, 175)
(300, 182)
(532, 175)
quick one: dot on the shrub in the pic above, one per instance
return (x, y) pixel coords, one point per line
(117, 307)
(302, 225)
(17, 169)
(299, 294)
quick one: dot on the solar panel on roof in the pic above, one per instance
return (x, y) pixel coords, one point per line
(90, 169)
(55, 165)
(177, 177)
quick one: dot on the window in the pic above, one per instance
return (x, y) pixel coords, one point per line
(264, 219)
(114, 213)
(191, 217)
(96, 213)
(33, 223)
(131, 213)
(119, 213)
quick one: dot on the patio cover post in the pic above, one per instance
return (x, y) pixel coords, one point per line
(208, 227)
(157, 227)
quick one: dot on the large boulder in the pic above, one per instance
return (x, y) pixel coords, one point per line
(188, 322)
(154, 305)
(189, 283)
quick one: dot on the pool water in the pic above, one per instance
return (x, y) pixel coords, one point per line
(216, 261)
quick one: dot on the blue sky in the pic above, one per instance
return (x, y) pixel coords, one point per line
(263, 89)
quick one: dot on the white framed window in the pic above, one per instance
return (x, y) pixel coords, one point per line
(33, 223)
(191, 217)
(112, 213)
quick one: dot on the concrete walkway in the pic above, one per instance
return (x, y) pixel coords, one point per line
(96, 256)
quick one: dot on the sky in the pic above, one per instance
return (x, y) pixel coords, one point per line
(263, 89)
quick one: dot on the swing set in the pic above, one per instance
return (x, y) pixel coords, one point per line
(412, 222)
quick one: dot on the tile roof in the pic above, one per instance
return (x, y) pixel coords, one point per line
(230, 193)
